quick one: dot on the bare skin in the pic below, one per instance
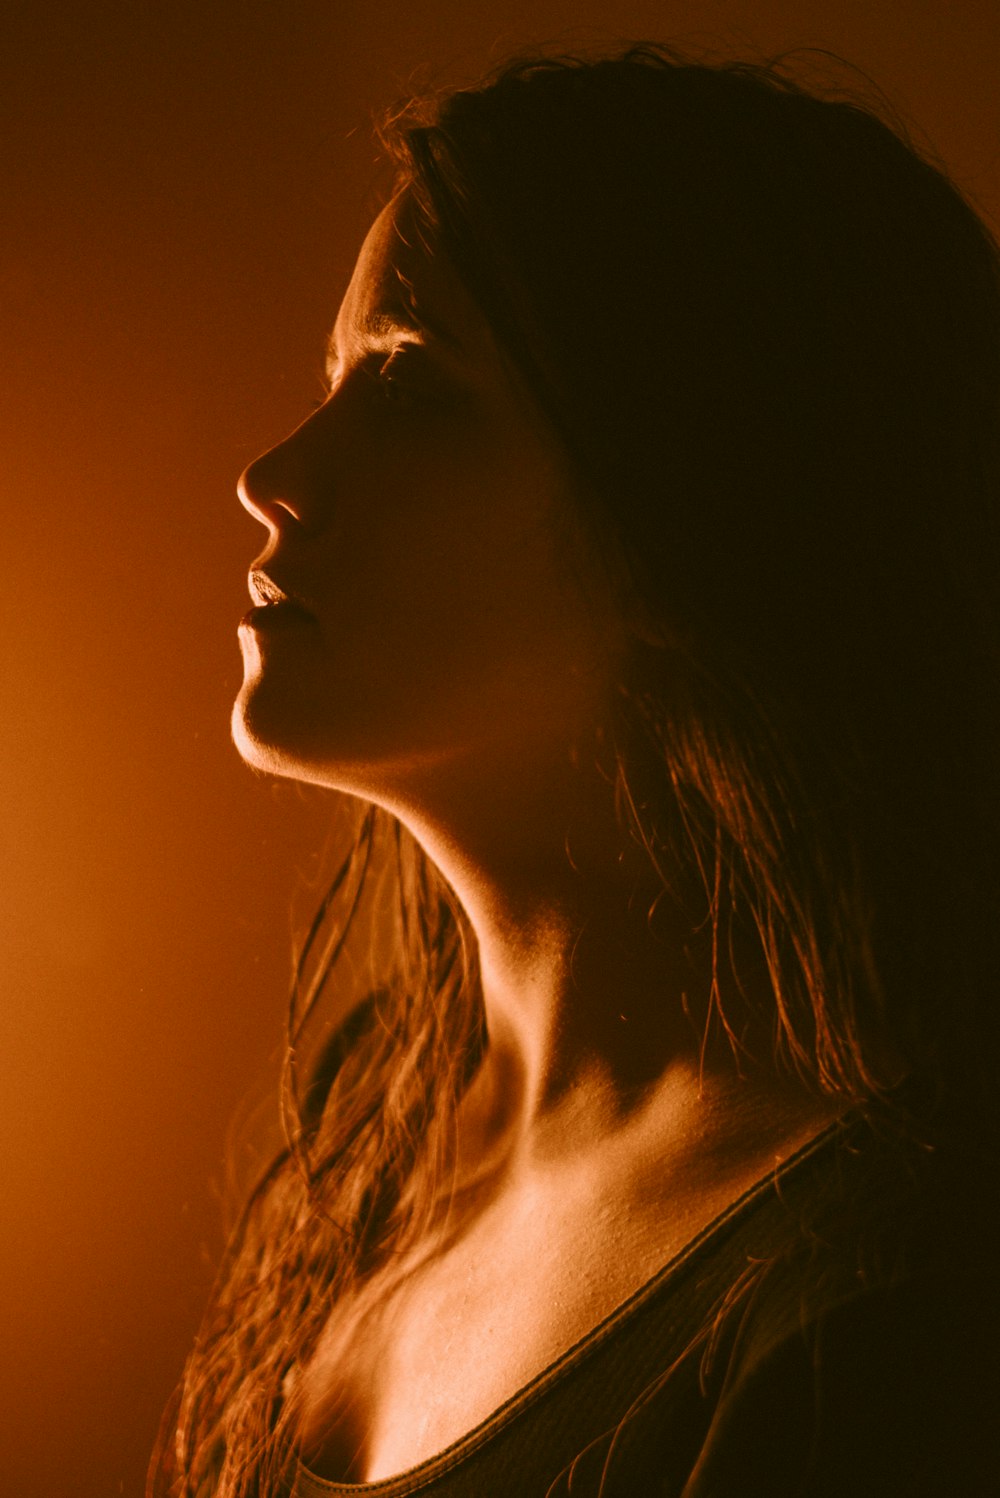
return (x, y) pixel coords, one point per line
(458, 667)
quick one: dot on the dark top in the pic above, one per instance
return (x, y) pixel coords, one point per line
(783, 1353)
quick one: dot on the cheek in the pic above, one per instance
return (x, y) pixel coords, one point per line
(440, 605)
(447, 542)
(447, 612)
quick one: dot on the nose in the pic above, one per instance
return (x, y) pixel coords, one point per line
(266, 488)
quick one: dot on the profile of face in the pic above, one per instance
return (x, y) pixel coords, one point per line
(444, 607)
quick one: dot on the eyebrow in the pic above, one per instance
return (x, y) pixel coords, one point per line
(397, 312)
(380, 324)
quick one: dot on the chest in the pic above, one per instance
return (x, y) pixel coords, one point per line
(398, 1380)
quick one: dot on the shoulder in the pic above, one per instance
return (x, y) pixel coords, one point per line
(859, 1360)
(891, 1393)
(865, 1360)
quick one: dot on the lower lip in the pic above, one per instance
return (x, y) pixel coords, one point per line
(270, 616)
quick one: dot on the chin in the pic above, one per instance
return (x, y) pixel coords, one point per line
(261, 733)
(256, 748)
(277, 737)
(270, 720)
(283, 724)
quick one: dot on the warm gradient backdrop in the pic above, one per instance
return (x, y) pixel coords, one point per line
(183, 189)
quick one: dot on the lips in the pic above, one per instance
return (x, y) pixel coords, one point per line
(266, 593)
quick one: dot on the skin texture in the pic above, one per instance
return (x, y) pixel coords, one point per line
(458, 666)
(421, 513)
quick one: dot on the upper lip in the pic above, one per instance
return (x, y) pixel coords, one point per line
(264, 590)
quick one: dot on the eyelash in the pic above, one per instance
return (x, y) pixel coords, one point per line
(386, 376)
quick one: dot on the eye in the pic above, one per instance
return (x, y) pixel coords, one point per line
(394, 376)
(395, 379)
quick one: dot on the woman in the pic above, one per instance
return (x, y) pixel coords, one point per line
(637, 576)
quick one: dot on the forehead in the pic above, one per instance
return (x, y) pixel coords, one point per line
(401, 281)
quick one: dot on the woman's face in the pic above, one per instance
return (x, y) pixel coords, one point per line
(421, 516)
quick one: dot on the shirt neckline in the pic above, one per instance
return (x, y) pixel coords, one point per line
(310, 1484)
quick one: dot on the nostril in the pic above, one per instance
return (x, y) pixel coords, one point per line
(259, 493)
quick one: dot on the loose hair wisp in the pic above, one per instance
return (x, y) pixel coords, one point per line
(768, 334)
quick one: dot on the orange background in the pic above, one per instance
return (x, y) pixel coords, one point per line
(184, 187)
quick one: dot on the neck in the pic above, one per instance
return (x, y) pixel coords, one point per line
(594, 1019)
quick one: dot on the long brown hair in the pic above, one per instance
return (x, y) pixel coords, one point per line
(768, 333)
